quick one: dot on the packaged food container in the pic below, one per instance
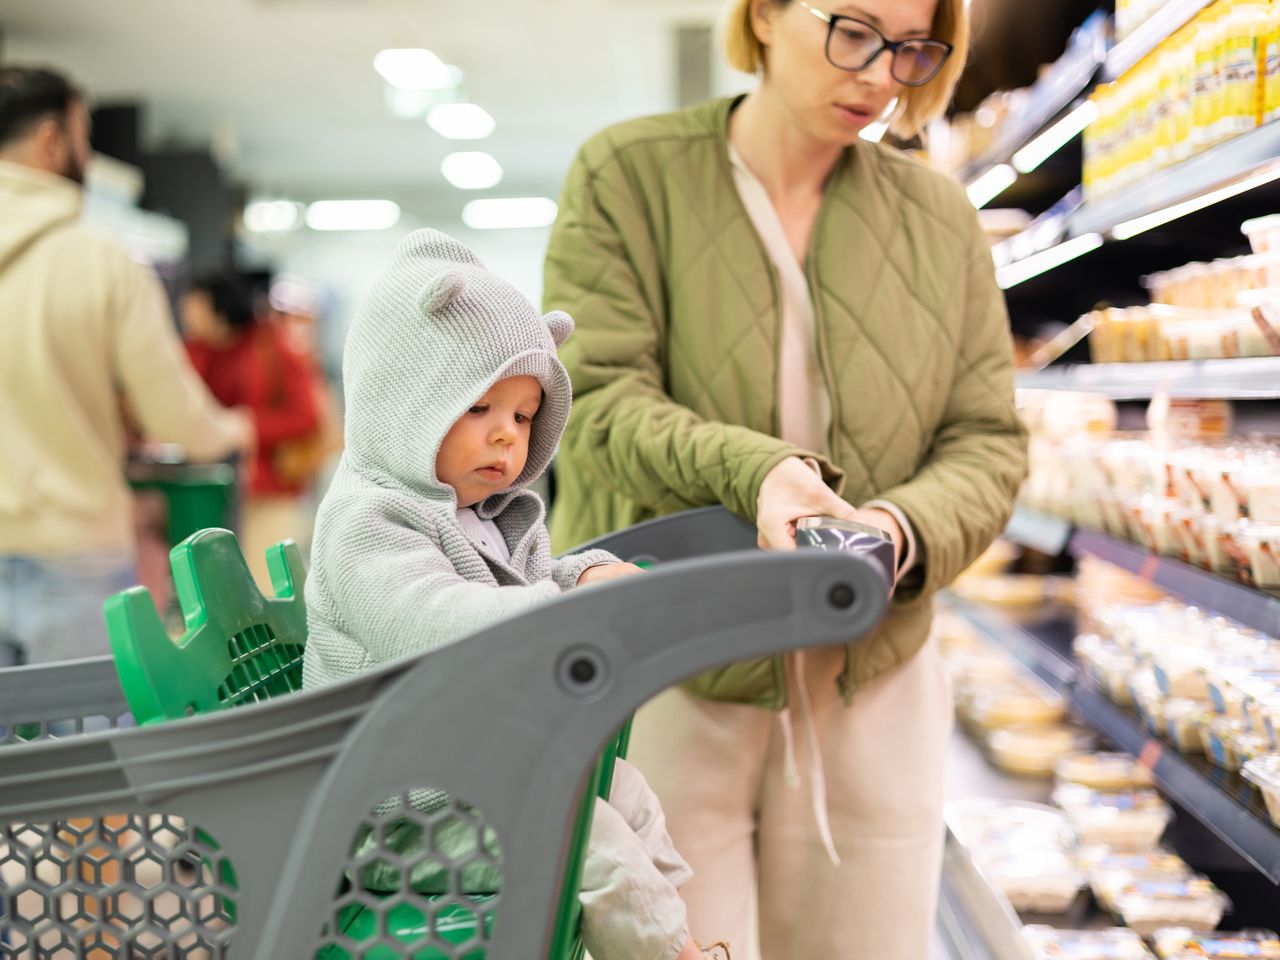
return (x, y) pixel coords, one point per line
(1263, 233)
(1022, 706)
(1128, 820)
(1015, 824)
(1183, 719)
(1218, 737)
(1262, 491)
(1261, 546)
(1110, 872)
(1039, 883)
(1264, 773)
(1104, 771)
(1116, 943)
(1194, 903)
(1114, 671)
(1036, 751)
(1179, 943)
(1214, 537)
(1149, 703)
(1180, 672)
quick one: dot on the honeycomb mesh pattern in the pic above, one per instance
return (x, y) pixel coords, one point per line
(127, 887)
(422, 880)
(262, 667)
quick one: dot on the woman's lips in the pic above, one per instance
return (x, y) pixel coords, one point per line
(854, 114)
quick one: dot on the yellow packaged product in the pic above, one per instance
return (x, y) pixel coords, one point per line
(1271, 69)
(1022, 706)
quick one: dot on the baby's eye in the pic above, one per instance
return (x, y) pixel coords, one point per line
(521, 418)
(479, 408)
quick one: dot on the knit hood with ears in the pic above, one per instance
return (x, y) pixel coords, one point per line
(435, 333)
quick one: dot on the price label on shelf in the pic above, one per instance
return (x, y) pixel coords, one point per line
(1150, 755)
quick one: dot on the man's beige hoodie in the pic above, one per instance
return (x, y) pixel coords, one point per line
(81, 326)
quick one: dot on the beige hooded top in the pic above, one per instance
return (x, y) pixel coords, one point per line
(80, 325)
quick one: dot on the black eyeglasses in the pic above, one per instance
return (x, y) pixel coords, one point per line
(853, 45)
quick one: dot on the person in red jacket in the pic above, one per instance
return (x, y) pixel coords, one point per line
(248, 363)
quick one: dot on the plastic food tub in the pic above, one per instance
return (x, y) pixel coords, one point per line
(1110, 872)
(1128, 820)
(1179, 943)
(1104, 771)
(1036, 751)
(1263, 233)
(1193, 903)
(1264, 773)
(1116, 943)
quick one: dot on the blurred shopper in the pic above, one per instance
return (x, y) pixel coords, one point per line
(82, 325)
(247, 362)
(780, 316)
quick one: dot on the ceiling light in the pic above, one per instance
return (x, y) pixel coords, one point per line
(1055, 138)
(415, 69)
(513, 213)
(1015, 273)
(460, 121)
(991, 184)
(272, 216)
(352, 215)
(471, 170)
(1131, 228)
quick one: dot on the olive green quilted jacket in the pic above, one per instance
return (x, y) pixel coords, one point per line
(675, 358)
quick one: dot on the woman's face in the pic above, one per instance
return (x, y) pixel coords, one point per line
(200, 322)
(829, 104)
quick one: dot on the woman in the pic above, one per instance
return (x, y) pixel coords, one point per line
(248, 364)
(778, 316)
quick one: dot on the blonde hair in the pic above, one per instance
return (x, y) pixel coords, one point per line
(916, 105)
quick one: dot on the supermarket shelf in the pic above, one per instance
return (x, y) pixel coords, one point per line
(1223, 802)
(1252, 378)
(975, 920)
(1039, 531)
(1253, 608)
(1065, 80)
(1217, 167)
(1034, 650)
(1163, 23)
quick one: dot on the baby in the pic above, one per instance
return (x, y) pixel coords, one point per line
(455, 404)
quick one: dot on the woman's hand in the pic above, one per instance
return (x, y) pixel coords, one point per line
(602, 572)
(790, 491)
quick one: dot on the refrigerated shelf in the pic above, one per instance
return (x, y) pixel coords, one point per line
(1250, 378)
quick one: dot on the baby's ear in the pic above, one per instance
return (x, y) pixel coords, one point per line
(440, 291)
(561, 325)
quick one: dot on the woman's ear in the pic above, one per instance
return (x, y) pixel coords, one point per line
(763, 13)
(440, 291)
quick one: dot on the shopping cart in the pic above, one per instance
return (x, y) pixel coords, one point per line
(507, 724)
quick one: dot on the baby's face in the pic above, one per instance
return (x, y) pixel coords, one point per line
(486, 449)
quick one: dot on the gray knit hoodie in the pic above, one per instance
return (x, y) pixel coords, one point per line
(393, 573)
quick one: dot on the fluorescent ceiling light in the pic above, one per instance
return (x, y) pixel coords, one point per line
(460, 121)
(1015, 273)
(415, 69)
(272, 216)
(1055, 138)
(352, 215)
(991, 184)
(471, 170)
(1131, 228)
(513, 213)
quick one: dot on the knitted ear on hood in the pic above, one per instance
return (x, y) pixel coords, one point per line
(441, 291)
(561, 326)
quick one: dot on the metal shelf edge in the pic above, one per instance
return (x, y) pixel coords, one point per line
(1024, 646)
(1254, 840)
(1197, 175)
(976, 919)
(1252, 608)
(1246, 378)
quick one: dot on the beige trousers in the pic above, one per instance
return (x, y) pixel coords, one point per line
(264, 522)
(762, 879)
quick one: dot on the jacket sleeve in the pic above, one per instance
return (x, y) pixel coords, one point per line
(299, 413)
(566, 570)
(626, 432)
(406, 597)
(961, 499)
(169, 399)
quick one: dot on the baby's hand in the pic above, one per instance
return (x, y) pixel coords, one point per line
(606, 571)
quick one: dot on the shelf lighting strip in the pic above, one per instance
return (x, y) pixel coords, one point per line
(1019, 271)
(1131, 228)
